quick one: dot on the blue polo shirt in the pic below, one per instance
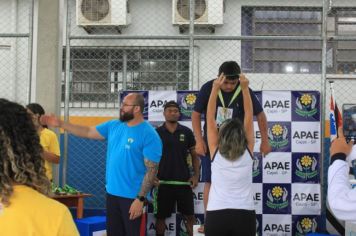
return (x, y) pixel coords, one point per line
(127, 148)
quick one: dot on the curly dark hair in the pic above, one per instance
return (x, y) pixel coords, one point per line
(20, 152)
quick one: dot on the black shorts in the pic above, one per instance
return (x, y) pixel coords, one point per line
(117, 217)
(206, 168)
(168, 195)
(230, 222)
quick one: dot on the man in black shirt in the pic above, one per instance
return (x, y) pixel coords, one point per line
(175, 180)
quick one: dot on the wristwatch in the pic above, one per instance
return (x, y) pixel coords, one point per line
(141, 198)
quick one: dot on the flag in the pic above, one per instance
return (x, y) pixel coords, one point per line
(335, 115)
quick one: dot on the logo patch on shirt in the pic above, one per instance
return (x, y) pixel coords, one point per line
(129, 142)
(181, 137)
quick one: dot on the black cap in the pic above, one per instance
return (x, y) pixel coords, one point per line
(230, 69)
(171, 104)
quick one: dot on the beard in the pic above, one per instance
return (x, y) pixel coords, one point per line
(126, 116)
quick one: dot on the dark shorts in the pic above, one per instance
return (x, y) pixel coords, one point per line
(117, 217)
(169, 195)
(206, 169)
(230, 222)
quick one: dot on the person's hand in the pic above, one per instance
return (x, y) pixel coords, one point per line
(243, 81)
(50, 120)
(194, 180)
(136, 209)
(265, 148)
(340, 145)
(200, 148)
(219, 81)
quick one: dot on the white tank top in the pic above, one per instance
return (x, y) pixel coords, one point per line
(231, 183)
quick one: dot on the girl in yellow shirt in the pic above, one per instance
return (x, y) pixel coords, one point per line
(48, 138)
(24, 207)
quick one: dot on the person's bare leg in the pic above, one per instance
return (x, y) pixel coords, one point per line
(205, 202)
(160, 226)
(189, 222)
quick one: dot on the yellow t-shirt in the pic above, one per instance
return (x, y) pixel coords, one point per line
(31, 213)
(49, 142)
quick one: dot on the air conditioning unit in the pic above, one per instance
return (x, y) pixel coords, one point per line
(207, 12)
(103, 12)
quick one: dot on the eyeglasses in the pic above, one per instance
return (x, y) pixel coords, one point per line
(128, 105)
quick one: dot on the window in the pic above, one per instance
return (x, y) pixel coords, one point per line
(344, 23)
(98, 74)
(281, 56)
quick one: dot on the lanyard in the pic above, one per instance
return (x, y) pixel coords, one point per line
(237, 92)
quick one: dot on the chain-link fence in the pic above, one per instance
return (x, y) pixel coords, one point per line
(15, 50)
(116, 45)
(151, 45)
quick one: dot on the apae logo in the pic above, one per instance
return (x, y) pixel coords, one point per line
(158, 103)
(277, 198)
(306, 225)
(306, 135)
(277, 228)
(278, 136)
(275, 167)
(169, 227)
(306, 199)
(187, 104)
(277, 104)
(306, 167)
(306, 105)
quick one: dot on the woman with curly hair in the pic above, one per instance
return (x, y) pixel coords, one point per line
(24, 207)
(48, 139)
(230, 208)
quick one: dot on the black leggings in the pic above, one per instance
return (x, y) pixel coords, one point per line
(230, 222)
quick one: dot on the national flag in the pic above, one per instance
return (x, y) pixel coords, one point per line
(335, 124)
(335, 115)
